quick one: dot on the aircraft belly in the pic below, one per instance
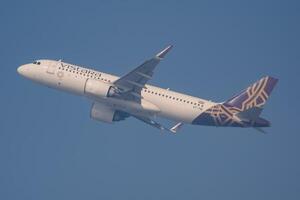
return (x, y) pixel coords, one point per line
(176, 111)
(144, 108)
(73, 85)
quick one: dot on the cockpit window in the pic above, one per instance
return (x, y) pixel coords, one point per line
(36, 63)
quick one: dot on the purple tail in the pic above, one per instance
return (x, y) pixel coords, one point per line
(242, 110)
(255, 95)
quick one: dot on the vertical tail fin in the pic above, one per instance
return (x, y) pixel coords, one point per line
(242, 110)
(255, 95)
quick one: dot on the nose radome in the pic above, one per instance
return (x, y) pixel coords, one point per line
(22, 70)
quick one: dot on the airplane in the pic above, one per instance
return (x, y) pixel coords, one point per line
(117, 98)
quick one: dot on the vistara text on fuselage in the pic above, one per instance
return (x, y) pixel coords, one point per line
(116, 98)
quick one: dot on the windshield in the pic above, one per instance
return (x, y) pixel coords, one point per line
(36, 62)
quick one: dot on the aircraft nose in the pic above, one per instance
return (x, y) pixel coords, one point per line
(22, 70)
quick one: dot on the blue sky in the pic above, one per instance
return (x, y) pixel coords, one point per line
(51, 149)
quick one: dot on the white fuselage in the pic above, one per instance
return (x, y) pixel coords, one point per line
(155, 101)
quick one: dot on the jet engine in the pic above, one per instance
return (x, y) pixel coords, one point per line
(104, 113)
(99, 89)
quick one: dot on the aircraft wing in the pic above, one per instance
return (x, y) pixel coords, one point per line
(155, 124)
(132, 83)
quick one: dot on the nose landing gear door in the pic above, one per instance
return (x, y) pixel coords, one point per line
(51, 68)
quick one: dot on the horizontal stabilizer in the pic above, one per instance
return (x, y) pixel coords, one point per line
(260, 130)
(250, 114)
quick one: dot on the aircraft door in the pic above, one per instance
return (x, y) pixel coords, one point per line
(52, 67)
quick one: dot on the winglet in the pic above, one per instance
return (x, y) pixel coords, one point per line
(162, 54)
(175, 128)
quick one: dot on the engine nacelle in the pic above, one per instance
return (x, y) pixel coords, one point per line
(98, 89)
(104, 113)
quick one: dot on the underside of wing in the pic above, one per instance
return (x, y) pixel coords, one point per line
(105, 113)
(155, 124)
